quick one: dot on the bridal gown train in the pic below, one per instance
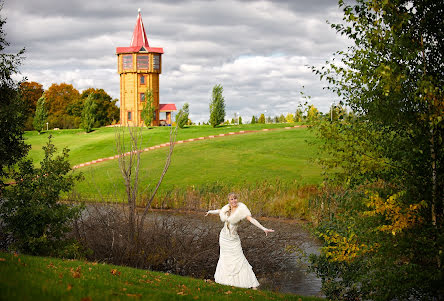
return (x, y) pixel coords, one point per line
(232, 267)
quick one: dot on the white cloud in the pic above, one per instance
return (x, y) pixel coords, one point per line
(258, 50)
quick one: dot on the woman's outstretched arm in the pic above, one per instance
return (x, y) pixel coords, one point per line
(257, 224)
(212, 212)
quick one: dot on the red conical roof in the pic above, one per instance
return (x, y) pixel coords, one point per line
(139, 40)
(139, 34)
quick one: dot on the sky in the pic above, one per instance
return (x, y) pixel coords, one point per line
(259, 51)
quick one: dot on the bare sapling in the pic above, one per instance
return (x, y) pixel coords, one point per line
(129, 150)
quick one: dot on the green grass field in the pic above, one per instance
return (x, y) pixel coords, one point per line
(43, 278)
(101, 142)
(232, 161)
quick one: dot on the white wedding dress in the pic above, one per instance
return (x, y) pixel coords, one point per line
(232, 267)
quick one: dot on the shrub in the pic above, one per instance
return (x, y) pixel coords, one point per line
(35, 222)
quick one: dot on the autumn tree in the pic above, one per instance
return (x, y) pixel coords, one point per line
(59, 98)
(387, 243)
(41, 115)
(217, 106)
(312, 113)
(289, 118)
(30, 93)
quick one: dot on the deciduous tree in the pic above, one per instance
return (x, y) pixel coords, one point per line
(182, 116)
(30, 93)
(148, 111)
(12, 110)
(217, 106)
(89, 114)
(41, 115)
(59, 98)
(393, 79)
(107, 110)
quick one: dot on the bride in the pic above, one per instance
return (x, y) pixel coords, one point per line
(232, 267)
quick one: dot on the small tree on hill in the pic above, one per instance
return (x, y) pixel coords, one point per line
(312, 113)
(217, 106)
(41, 114)
(88, 114)
(182, 116)
(261, 118)
(289, 118)
(253, 119)
(240, 120)
(148, 111)
(298, 115)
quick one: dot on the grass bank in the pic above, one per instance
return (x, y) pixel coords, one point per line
(41, 278)
(101, 142)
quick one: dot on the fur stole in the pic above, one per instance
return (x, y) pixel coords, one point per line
(239, 214)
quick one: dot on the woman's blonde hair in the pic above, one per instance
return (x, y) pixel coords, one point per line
(233, 194)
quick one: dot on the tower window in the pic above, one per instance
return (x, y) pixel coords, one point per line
(156, 62)
(142, 62)
(129, 115)
(142, 97)
(127, 62)
(142, 79)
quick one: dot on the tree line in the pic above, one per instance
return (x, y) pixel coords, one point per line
(62, 106)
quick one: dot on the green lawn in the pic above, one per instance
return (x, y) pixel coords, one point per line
(230, 162)
(227, 161)
(42, 278)
(101, 142)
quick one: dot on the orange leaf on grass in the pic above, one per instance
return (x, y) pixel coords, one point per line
(115, 272)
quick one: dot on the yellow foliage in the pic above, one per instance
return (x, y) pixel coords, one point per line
(289, 118)
(398, 217)
(344, 249)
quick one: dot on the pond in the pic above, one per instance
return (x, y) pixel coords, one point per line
(291, 274)
(186, 243)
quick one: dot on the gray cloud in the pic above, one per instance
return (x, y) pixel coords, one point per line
(258, 50)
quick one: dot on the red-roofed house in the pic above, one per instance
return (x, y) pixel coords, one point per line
(139, 66)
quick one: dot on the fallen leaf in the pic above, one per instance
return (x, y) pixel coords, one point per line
(69, 287)
(134, 295)
(77, 272)
(181, 293)
(86, 299)
(2, 259)
(115, 272)
(227, 292)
